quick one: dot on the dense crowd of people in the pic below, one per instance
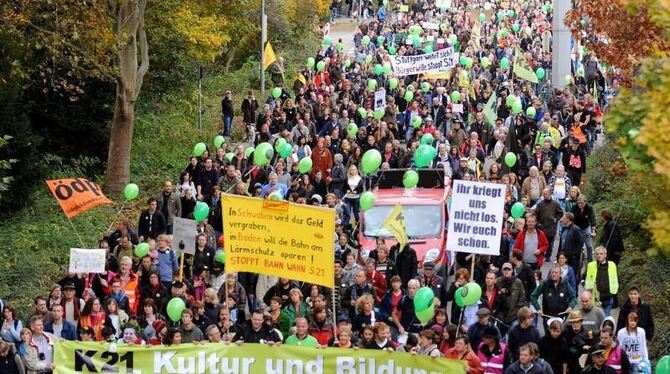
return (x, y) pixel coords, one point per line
(527, 321)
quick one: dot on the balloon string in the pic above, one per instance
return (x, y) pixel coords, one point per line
(115, 217)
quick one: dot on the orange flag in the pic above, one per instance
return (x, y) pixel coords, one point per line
(76, 195)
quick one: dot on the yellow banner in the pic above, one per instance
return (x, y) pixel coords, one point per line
(269, 56)
(288, 240)
(218, 358)
(395, 224)
(437, 75)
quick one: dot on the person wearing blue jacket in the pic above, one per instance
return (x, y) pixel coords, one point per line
(167, 261)
(391, 303)
(59, 327)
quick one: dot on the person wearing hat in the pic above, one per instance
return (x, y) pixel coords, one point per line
(598, 363)
(72, 305)
(492, 353)
(459, 173)
(512, 296)
(428, 127)
(579, 340)
(456, 134)
(434, 281)
(476, 330)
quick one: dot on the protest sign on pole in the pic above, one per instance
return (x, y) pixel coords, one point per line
(93, 357)
(274, 237)
(76, 195)
(441, 60)
(184, 231)
(87, 260)
(380, 99)
(475, 217)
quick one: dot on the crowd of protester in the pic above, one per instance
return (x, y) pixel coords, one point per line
(527, 321)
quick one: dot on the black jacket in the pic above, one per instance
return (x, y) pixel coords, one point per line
(249, 335)
(151, 225)
(554, 351)
(527, 278)
(612, 240)
(584, 218)
(645, 318)
(571, 241)
(406, 265)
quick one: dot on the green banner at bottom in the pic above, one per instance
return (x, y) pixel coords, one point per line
(219, 358)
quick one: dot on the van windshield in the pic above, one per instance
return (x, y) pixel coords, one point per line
(421, 221)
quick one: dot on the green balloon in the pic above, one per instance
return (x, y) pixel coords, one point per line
(380, 40)
(229, 156)
(218, 141)
(248, 151)
(305, 165)
(539, 73)
(416, 40)
(279, 143)
(504, 63)
(220, 257)
(568, 80)
(367, 200)
(518, 210)
(462, 59)
(263, 154)
(452, 39)
(504, 32)
(339, 46)
(427, 139)
(468, 62)
(276, 92)
(510, 159)
(201, 211)
(321, 65)
(372, 84)
(426, 315)
(516, 107)
(352, 129)
(386, 68)
(366, 40)
(327, 41)
(531, 112)
(471, 293)
(371, 161)
(416, 122)
(392, 51)
(410, 179)
(362, 112)
(285, 150)
(131, 191)
(500, 15)
(663, 365)
(428, 49)
(482, 17)
(511, 13)
(455, 96)
(174, 308)
(378, 113)
(347, 63)
(275, 195)
(510, 100)
(423, 155)
(409, 95)
(486, 62)
(580, 71)
(393, 83)
(142, 250)
(378, 69)
(310, 63)
(425, 86)
(458, 297)
(516, 27)
(423, 299)
(199, 149)
(368, 58)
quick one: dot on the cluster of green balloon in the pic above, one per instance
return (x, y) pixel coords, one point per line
(393, 83)
(199, 149)
(663, 365)
(142, 250)
(410, 179)
(352, 130)
(201, 211)
(305, 165)
(409, 95)
(416, 122)
(467, 295)
(310, 63)
(263, 154)
(131, 191)
(366, 40)
(504, 63)
(424, 304)
(424, 155)
(510, 159)
(518, 210)
(367, 200)
(427, 139)
(539, 73)
(371, 161)
(320, 65)
(276, 92)
(174, 308)
(220, 257)
(218, 141)
(248, 151)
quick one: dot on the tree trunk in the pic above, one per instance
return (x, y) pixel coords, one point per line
(132, 61)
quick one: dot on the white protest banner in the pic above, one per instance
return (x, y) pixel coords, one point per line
(475, 217)
(380, 99)
(87, 260)
(184, 231)
(430, 25)
(457, 108)
(441, 60)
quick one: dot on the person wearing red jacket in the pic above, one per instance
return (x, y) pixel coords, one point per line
(532, 243)
(376, 279)
(321, 327)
